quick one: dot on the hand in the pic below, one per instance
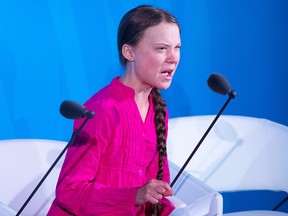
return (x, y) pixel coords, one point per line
(152, 192)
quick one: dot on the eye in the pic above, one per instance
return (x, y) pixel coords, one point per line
(161, 48)
(178, 47)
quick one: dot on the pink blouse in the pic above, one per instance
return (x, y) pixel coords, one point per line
(115, 153)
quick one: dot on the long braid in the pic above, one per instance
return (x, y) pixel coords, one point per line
(160, 114)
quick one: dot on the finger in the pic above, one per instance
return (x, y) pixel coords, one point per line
(165, 185)
(168, 193)
(153, 197)
(159, 189)
(164, 192)
(154, 200)
(154, 193)
(156, 197)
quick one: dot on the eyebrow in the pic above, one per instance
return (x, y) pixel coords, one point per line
(165, 44)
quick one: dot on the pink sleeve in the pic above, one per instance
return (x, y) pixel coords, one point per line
(77, 191)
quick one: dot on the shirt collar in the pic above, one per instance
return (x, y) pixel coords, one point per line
(122, 89)
(125, 90)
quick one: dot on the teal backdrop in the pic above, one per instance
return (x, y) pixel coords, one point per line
(54, 50)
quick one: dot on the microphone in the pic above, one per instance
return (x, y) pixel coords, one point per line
(72, 110)
(218, 84)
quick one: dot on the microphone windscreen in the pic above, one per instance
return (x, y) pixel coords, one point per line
(72, 110)
(219, 84)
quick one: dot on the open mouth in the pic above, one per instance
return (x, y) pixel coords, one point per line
(167, 73)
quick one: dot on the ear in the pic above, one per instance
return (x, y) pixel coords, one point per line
(127, 52)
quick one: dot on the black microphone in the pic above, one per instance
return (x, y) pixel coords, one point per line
(71, 110)
(218, 84)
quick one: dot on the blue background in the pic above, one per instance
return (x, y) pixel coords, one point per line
(54, 50)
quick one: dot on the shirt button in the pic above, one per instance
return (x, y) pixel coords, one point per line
(140, 172)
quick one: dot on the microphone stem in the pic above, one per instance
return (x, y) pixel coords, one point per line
(231, 95)
(53, 165)
(280, 204)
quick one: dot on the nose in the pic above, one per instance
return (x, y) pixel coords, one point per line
(173, 56)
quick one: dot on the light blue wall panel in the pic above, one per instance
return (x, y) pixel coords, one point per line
(57, 50)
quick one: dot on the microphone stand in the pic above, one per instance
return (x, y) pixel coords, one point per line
(231, 95)
(53, 165)
(280, 204)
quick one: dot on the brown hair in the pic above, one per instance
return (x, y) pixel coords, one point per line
(136, 21)
(160, 114)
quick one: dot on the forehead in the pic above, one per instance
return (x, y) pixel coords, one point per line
(162, 33)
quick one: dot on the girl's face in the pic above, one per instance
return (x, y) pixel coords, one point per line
(156, 56)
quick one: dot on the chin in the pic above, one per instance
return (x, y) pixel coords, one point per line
(164, 86)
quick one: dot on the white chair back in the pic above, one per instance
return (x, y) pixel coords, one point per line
(239, 153)
(23, 164)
